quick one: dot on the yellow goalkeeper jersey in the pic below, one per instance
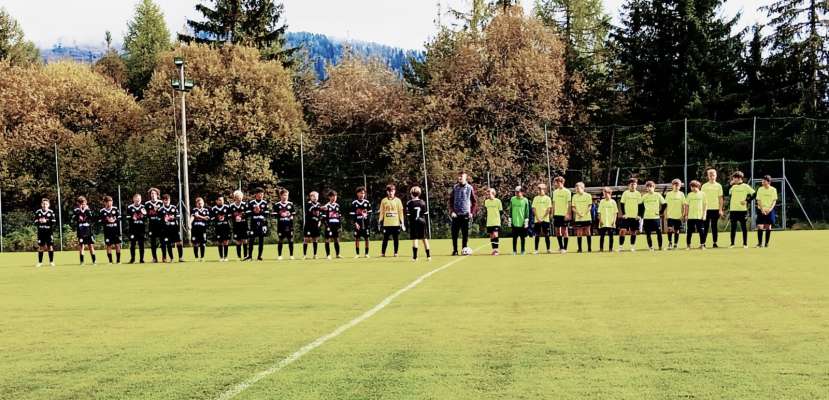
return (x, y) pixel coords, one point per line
(391, 212)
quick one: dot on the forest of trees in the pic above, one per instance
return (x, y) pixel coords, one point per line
(493, 92)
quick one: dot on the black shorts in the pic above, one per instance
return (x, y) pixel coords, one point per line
(519, 231)
(137, 232)
(542, 228)
(44, 238)
(199, 234)
(156, 230)
(172, 234)
(391, 230)
(240, 231)
(651, 225)
(492, 229)
(364, 232)
(259, 230)
(763, 219)
(312, 230)
(582, 224)
(285, 229)
(332, 230)
(222, 232)
(84, 240)
(736, 216)
(559, 221)
(675, 224)
(112, 236)
(417, 230)
(630, 224)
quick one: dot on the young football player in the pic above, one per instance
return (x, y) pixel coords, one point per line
(84, 220)
(542, 207)
(714, 200)
(696, 206)
(221, 216)
(198, 229)
(239, 213)
(582, 203)
(766, 200)
(312, 221)
(608, 214)
(172, 234)
(654, 205)
(284, 211)
(391, 219)
(332, 218)
(361, 212)
(494, 209)
(417, 212)
(157, 226)
(740, 195)
(110, 217)
(631, 200)
(259, 212)
(674, 212)
(137, 214)
(45, 222)
(519, 208)
(561, 213)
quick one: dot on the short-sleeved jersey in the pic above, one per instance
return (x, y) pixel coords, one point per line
(169, 214)
(361, 211)
(45, 220)
(416, 212)
(653, 204)
(561, 201)
(765, 197)
(494, 208)
(697, 205)
(238, 212)
(109, 217)
(312, 212)
(220, 215)
(136, 213)
(83, 217)
(391, 211)
(608, 211)
(739, 194)
(630, 203)
(330, 213)
(541, 205)
(259, 211)
(201, 216)
(713, 191)
(153, 207)
(519, 209)
(582, 203)
(676, 204)
(284, 211)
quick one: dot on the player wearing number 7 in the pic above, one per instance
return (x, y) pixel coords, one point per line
(417, 213)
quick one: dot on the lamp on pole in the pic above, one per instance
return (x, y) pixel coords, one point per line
(184, 85)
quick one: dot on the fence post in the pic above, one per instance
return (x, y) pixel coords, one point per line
(180, 206)
(783, 194)
(302, 174)
(426, 179)
(685, 168)
(60, 203)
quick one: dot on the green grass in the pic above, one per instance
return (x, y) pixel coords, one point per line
(724, 324)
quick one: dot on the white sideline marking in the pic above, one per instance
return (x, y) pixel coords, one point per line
(241, 387)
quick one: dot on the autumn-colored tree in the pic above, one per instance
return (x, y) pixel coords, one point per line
(14, 48)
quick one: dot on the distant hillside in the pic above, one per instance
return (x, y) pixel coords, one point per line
(321, 49)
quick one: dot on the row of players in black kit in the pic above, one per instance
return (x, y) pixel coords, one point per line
(245, 222)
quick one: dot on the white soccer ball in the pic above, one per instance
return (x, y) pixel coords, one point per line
(466, 251)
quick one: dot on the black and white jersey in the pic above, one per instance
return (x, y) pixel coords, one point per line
(416, 212)
(169, 214)
(331, 213)
(312, 212)
(45, 220)
(201, 216)
(153, 208)
(284, 211)
(361, 211)
(221, 215)
(83, 218)
(109, 217)
(136, 214)
(239, 212)
(259, 211)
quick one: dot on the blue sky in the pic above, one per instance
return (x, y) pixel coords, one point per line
(403, 23)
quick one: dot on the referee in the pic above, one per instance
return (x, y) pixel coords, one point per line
(462, 205)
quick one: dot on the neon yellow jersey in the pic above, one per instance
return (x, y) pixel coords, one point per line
(541, 204)
(391, 212)
(765, 197)
(653, 204)
(676, 204)
(630, 203)
(739, 194)
(582, 203)
(713, 192)
(561, 199)
(608, 211)
(696, 202)
(493, 212)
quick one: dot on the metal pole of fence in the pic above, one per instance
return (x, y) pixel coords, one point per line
(488, 181)
(120, 212)
(547, 149)
(180, 209)
(753, 147)
(783, 194)
(425, 179)
(796, 197)
(302, 172)
(1, 219)
(618, 170)
(685, 168)
(610, 161)
(60, 204)
(185, 163)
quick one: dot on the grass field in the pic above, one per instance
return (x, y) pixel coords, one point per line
(721, 324)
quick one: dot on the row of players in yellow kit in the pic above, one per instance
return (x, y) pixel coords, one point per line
(635, 212)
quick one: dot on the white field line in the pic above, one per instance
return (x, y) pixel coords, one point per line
(242, 386)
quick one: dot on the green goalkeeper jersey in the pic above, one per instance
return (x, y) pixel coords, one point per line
(519, 209)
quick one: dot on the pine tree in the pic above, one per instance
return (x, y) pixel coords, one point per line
(13, 46)
(147, 36)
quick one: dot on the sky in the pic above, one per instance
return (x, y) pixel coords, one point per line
(402, 23)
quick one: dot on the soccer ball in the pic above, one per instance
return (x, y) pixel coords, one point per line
(466, 251)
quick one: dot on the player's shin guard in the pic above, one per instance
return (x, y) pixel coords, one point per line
(337, 247)
(327, 249)
(768, 236)
(81, 256)
(414, 252)
(118, 256)
(397, 243)
(261, 248)
(589, 239)
(659, 238)
(40, 256)
(547, 242)
(315, 248)
(109, 257)
(537, 241)
(385, 244)
(239, 251)
(578, 241)
(514, 244)
(154, 249)
(566, 241)
(51, 256)
(304, 249)
(291, 248)
(180, 249)
(279, 248)
(195, 252)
